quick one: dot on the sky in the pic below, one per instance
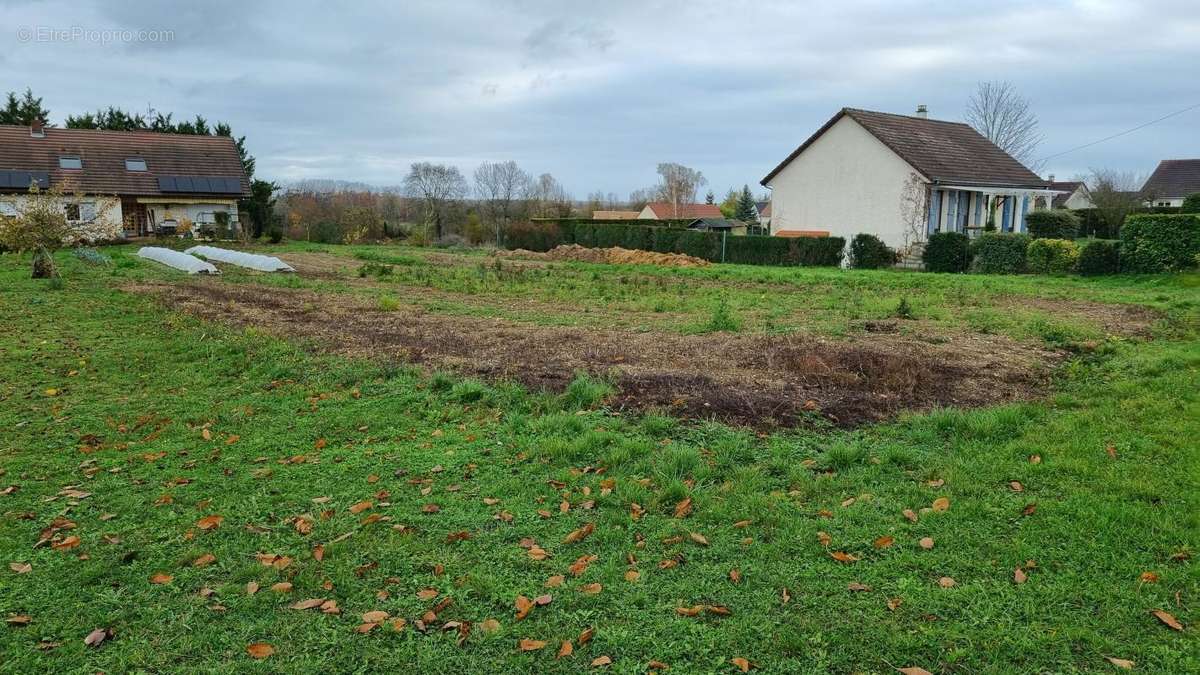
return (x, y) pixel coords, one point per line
(598, 93)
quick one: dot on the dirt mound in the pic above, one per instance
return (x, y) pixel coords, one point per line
(614, 256)
(756, 380)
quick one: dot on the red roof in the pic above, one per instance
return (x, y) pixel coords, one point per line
(104, 153)
(665, 211)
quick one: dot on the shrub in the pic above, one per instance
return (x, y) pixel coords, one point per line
(815, 251)
(1052, 224)
(1191, 203)
(1160, 243)
(868, 252)
(947, 252)
(275, 234)
(1099, 257)
(1052, 256)
(533, 236)
(756, 250)
(325, 232)
(1000, 253)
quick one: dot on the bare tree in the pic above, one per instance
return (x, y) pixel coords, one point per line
(438, 187)
(679, 184)
(43, 221)
(547, 198)
(913, 210)
(1115, 194)
(500, 187)
(1002, 115)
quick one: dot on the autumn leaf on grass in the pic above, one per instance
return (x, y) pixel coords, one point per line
(1125, 664)
(632, 575)
(580, 566)
(591, 589)
(524, 607)
(94, 638)
(530, 645)
(376, 616)
(1167, 619)
(20, 568)
(741, 664)
(946, 582)
(489, 625)
(566, 649)
(555, 581)
(843, 557)
(683, 508)
(586, 635)
(914, 670)
(689, 611)
(698, 538)
(857, 587)
(579, 535)
(1019, 576)
(361, 506)
(427, 594)
(601, 661)
(884, 542)
(941, 504)
(824, 539)
(259, 650)
(735, 575)
(209, 522)
(910, 515)
(537, 553)
(161, 578)
(1148, 578)
(204, 560)
(926, 543)
(66, 543)
(19, 620)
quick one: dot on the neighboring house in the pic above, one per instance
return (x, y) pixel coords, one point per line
(146, 182)
(666, 211)
(1172, 181)
(763, 209)
(614, 215)
(730, 225)
(899, 177)
(1071, 194)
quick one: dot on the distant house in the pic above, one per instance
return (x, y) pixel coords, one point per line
(1072, 194)
(1172, 181)
(615, 215)
(145, 181)
(900, 177)
(763, 209)
(666, 211)
(730, 225)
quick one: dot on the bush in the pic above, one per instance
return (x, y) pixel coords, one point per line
(533, 236)
(325, 232)
(1000, 253)
(1099, 257)
(947, 252)
(1052, 224)
(1160, 243)
(815, 251)
(275, 234)
(868, 252)
(1191, 203)
(1052, 256)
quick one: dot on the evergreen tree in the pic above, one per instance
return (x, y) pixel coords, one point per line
(23, 110)
(745, 210)
(710, 198)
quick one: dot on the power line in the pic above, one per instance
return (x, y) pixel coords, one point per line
(1127, 131)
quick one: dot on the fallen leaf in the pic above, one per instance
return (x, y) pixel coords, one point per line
(926, 543)
(204, 560)
(524, 606)
(884, 541)
(427, 594)
(489, 625)
(941, 504)
(251, 587)
(855, 586)
(914, 670)
(1029, 509)
(259, 650)
(894, 603)
(209, 522)
(528, 645)
(689, 611)
(1016, 486)
(20, 568)
(591, 589)
(632, 575)
(601, 661)
(19, 620)
(66, 543)
(910, 515)
(161, 578)
(566, 649)
(543, 600)
(843, 557)
(282, 587)
(1120, 663)
(1111, 450)
(741, 664)
(683, 508)
(946, 582)
(1167, 619)
(376, 616)
(1019, 576)
(97, 636)
(1035, 459)
(586, 635)
(361, 506)
(735, 575)
(310, 603)
(824, 539)
(1145, 578)
(698, 538)
(785, 596)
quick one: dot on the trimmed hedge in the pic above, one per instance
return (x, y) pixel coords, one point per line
(1052, 256)
(1099, 257)
(543, 235)
(1191, 203)
(1160, 243)
(1052, 224)
(1000, 253)
(868, 252)
(947, 252)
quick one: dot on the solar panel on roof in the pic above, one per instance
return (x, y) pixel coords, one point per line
(22, 179)
(201, 184)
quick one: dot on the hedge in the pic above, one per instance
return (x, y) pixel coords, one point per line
(543, 235)
(1099, 257)
(1052, 224)
(947, 252)
(868, 252)
(1191, 203)
(1160, 243)
(1052, 256)
(1000, 253)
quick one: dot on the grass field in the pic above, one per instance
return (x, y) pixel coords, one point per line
(372, 442)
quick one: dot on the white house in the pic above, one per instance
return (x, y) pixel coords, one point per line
(899, 177)
(140, 181)
(1071, 195)
(1172, 181)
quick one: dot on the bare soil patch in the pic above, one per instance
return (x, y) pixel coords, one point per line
(1115, 319)
(754, 380)
(613, 256)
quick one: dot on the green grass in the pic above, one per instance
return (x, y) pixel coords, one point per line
(104, 391)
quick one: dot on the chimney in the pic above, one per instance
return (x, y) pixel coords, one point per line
(37, 129)
(922, 111)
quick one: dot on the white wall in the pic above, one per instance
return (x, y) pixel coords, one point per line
(1166, 201)
(1078, 200)
(99, 215)
(846, 182)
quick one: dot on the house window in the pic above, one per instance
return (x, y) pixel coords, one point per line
(72, 211)
(135, 165)
(70, 162)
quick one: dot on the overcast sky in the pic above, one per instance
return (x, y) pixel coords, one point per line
(598, 92)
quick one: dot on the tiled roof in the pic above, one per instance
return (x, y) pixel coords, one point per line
(943, 152)
(1173, 178)
(104, 153)
(665, 211)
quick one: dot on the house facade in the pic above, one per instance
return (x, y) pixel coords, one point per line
(667, 211)
(1071, 195)
(137, 182)
(1172, 181)
(900, 178)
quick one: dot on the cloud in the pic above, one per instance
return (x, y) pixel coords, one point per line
(598, 94)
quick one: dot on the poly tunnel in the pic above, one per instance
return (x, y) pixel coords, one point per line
(180, 261)
(262, 263)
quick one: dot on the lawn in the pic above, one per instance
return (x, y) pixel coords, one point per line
(186, 463)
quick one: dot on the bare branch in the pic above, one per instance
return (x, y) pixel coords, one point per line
(1003, 116)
